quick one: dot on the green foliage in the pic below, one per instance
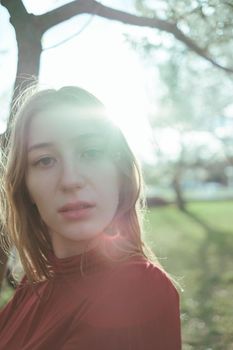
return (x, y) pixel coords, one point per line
(192, 113)
(196, 247)
(193, 95)
(5, 295)
(208, 22)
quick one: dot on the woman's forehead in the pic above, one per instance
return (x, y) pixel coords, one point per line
(66, 122)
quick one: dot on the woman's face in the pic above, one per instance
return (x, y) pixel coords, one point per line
(71, 177)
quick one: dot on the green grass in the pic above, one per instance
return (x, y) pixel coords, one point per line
(5, 295)
(197, 249)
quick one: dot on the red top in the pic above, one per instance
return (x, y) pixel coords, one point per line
(123, 306)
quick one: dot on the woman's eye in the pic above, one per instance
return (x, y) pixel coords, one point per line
(45, 162)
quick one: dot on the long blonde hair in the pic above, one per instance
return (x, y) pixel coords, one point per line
(22, 223)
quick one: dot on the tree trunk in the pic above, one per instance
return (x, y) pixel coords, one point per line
(29, 51)
(28, 37)
(180, 202)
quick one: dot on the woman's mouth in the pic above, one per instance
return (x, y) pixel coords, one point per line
(76, 211)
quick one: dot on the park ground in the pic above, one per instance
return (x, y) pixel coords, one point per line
(196, 248)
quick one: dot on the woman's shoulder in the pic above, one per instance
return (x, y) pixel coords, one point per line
(147, 275)
(139, 280)
(138, 290)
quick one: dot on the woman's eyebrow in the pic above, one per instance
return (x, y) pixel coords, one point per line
(80, 138)
(39, 145)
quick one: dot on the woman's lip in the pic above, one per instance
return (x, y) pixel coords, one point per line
(80, 205)
(77, 214)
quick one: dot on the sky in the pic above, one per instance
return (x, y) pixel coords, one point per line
(98, 59)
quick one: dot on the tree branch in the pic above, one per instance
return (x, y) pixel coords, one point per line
(93, 7)
(66, 12)
(14, 6)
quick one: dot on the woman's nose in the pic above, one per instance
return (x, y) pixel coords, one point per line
(72, 176)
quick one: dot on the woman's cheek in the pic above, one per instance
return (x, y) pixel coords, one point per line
(33, 185)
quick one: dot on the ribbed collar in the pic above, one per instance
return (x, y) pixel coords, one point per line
(81, 264)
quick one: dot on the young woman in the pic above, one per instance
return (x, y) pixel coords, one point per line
(71, 207)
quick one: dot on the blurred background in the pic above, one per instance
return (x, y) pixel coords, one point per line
(164, 70)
